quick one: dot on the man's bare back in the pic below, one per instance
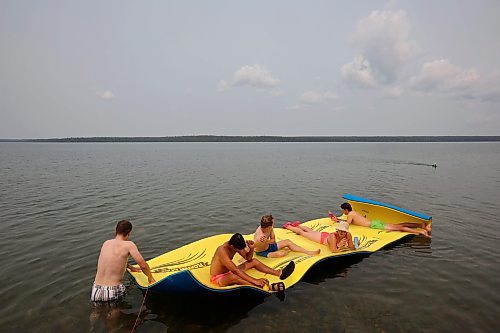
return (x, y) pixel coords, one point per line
(113, 258)
(113, 261)
(263, 239)
(357, 219)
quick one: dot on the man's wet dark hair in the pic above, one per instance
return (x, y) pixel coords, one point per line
(266, 221)
(237, 241)
(347, 206)
(123, 228)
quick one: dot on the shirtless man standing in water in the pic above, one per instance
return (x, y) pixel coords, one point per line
(112, 263)
(358, 219)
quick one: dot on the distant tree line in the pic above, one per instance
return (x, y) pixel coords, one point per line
(220, 138)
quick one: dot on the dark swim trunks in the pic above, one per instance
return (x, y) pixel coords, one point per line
(273, 247)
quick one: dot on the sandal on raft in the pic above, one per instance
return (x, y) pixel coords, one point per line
(278, 287)
(287, 224)
(295, 224)
(287, 271)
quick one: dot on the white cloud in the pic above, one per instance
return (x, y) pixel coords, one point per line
(107, 94)
(358, 72)
(314, 98)
(256, 76)
(317, 97)
(441, 76)
(386, 47)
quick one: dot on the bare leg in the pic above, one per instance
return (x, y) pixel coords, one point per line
(412, 225)
(294, 247)
(401, 227)
(300, 230)
(113, 320)
(306, 232)
(233, 279)
(278, 254)
(426, 226)
(254, 263)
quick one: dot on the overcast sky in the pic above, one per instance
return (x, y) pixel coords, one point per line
(163, 68)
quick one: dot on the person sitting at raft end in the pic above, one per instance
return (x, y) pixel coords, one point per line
(358, 219)
(266, 245)
(224, 272)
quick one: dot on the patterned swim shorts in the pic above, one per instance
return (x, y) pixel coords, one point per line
(107, 293)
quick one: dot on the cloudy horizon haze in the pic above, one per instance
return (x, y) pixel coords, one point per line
(284, 68)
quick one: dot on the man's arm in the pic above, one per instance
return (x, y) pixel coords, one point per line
(259, 237)
(229, 264)
(332, 243)
(350, 243)
(272, 237)
(248, 255)
(349, 218)
(134, 252)
(133, 268)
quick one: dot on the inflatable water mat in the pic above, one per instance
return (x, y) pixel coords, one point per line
(187, 269)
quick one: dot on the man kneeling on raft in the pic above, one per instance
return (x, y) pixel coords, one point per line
(266, 245)
(224, 272)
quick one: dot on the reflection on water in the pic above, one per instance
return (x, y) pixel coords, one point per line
(202, 312)
(332, 268)
(419, 244)
(110, 318)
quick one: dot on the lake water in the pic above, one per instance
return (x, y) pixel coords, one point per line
(59, 202)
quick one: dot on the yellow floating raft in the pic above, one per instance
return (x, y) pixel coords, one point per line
(187, 269)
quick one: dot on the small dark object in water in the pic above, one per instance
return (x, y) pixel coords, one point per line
(434, 166)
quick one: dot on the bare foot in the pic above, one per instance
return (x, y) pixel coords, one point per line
(424, 233)
(428, 228)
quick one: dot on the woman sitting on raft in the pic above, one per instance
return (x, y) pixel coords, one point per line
(335, 241)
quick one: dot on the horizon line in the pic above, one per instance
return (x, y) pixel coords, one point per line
(269, 138)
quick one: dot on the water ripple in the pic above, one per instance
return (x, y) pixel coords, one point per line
(60, 202)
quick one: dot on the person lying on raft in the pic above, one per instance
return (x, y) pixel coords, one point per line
(336, 241)
(266, 245)
(108, 286)
(224, 272)
(358, 219)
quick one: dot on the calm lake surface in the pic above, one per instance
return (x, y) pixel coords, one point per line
(59, 202)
